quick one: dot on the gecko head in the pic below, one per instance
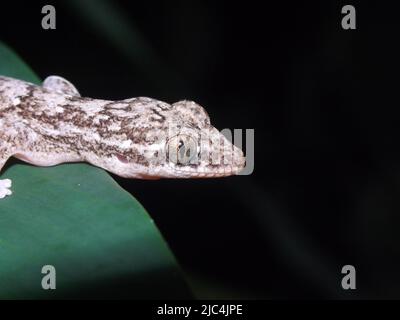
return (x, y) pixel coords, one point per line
(195, 149)
(170, 141)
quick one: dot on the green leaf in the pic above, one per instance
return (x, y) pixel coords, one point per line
(75, 217)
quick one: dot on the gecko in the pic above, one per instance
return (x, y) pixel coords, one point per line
(143, 138)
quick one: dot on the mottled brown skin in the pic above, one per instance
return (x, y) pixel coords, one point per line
(51, 124)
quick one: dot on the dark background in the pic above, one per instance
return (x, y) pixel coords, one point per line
(323, 102)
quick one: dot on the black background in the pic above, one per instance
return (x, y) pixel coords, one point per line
(323, 102)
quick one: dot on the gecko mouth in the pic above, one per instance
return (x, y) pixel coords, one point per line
(206, 170)
(223, 172)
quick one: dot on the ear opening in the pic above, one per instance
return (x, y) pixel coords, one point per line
(122, 158)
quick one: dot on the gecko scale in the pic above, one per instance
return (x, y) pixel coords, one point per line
(135, 138)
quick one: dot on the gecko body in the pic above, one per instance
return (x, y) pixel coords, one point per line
(135, 138)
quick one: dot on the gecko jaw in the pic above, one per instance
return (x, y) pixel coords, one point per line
(225, 172)
(207, 171)
(232, 163)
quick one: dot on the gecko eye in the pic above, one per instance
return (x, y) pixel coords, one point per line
(181, 149)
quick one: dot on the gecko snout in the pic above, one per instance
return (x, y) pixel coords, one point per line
(227, 158)
(239, 160)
